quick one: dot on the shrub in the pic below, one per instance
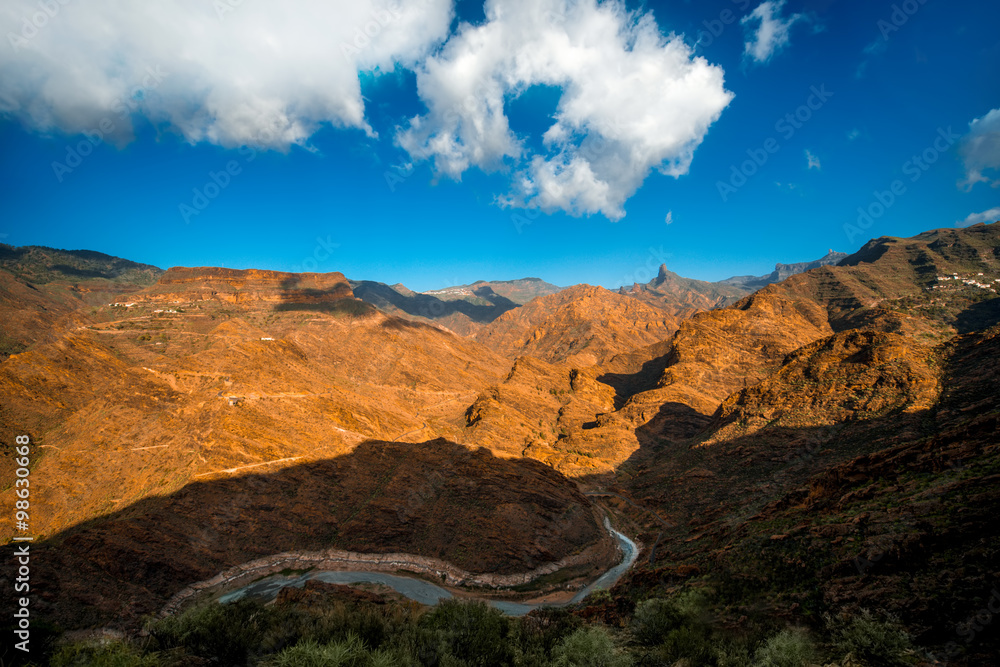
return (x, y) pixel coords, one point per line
(598, 596)
(544, 629)
(654, 619)
(589, 647)
(691, 643)
(102, 654)
(224, 633)
(471, 631)
(310, 653)
(733, 653)
(680, 627)
(877, 641)
(789, 648)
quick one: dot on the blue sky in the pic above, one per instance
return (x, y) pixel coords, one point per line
(365, 190)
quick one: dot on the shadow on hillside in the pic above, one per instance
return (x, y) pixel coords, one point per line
(79, 273)
(673, 422)
(430, 307)
(721, 487)
(335, 299)
(627, 385)
(978, 316)
(436, 499)
(837, 514)
(768, 462)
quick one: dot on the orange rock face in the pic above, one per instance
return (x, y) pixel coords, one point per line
(847, 412)
(249, 286)
(580, 326)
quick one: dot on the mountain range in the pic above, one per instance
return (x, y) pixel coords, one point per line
(822, 440)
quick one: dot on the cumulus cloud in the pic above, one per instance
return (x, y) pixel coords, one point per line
(229, 72)
(980, 151)
(812, 161)
(992, 215)
(633, 100)
(233, 72)
(772, 32)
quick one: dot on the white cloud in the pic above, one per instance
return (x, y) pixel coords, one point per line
(992, 215)
(670, 218)
(632, 101)
(853, 134)
(873, 50)
(812, 160)
(232, 72)
(980, 150)
(772, 33)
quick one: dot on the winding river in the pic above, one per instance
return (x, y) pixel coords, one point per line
(427, 593)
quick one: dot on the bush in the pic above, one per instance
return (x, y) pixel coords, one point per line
(349, 653)
(692, 643)
(654, 619)
(733, 653)
(102, 654)
(224, 633)
(544, 629)
(589, 647)
(872, 640)
(680, 627)
(789, 648)
(471, 631)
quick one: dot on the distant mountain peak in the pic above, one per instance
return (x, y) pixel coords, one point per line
(782, 271)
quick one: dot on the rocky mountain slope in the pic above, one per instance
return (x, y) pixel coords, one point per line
(518, 291)
(782, 271)
(683, 297)
(211, 370)
(581, 325)
(434, 499)
(468, 309)
(825, 445)
(464, 309)
(463, 315)
(829, 444)
(41, 287)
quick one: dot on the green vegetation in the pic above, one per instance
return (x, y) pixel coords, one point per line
(686, 628)
(10, 346)
(590, 647)
(41, 265)
(878, 641)
(111, 654)
(789, 648)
